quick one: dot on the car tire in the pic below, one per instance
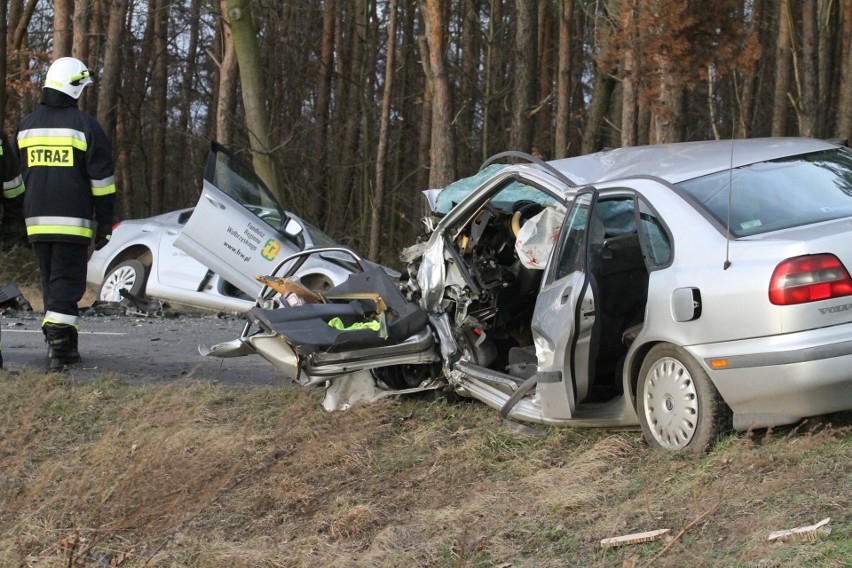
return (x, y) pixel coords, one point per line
(679, 407)
(130, 275)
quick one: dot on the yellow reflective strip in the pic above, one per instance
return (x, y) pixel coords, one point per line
(64, 319)
(53, 141)
(100, 191)
(14, 192)
(59, 230)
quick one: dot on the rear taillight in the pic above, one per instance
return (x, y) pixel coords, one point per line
(809, 279)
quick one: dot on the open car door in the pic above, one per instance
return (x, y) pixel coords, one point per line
(236, 229)
(564, 315)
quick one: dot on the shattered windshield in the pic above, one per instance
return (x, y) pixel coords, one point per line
(513, 193)
(779, 194)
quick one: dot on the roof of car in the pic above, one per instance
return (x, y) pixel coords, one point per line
(686, 160)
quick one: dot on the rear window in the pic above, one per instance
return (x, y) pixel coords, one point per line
(768, 196)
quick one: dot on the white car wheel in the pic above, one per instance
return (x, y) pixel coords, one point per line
(130, 275)
(678, 406)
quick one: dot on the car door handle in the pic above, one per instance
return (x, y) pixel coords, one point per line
(172, 232)
(566, 295)
(588, 308)
(214, 201)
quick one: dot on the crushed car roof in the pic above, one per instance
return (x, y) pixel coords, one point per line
(686, 160)
(673, 163)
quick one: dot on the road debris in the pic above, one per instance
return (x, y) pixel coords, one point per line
(635, 538)
(803, 534)
(12, 298)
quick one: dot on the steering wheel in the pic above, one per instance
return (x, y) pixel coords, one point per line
(523, 211)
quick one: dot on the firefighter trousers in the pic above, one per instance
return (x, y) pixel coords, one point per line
(63, 279)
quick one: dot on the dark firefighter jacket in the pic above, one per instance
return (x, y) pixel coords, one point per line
(67, 166)
(12, 224)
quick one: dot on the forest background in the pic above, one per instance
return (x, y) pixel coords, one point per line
(348, 109)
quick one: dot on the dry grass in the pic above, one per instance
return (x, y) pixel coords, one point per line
(187, 475)
(190, 475)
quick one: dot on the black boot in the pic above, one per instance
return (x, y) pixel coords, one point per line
(73, 353)
(59, 351)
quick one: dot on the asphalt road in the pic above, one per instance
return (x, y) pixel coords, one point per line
(140, 349)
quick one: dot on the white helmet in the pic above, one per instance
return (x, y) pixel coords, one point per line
(69, 75)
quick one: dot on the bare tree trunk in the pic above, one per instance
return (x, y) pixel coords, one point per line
(493, 60)
(424, 142)
(22, 24)
(601, 99)
(123, 175)
(318, 210)
(469, 74)
(159, 94)
(80, 43)
(750, 79)
(226, 103)
(668, 118)
(363, 145)
(442, 152)
(62, 32)
(807, 86)
(352, 93)
(381, 152)
(97, 17)
(844, 116)
(4, 52)
(603, 87)
(629, 86)
(520, 136)
(563, 80)
(643, 129)
(185, 191)
(824, 98)
(111, 75)
(251, 79)
(782, 71)
(134, 96)
(542, 135)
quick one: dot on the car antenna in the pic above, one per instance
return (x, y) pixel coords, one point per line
(727, 263)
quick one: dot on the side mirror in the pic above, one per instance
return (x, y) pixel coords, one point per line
(292, 228)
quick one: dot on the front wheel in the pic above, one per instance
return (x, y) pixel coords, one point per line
(678, 406)
(130, 275)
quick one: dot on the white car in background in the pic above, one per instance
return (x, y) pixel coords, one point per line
(142, 261)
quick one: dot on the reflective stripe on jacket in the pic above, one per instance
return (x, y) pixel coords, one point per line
(67, 168)
(12, 229)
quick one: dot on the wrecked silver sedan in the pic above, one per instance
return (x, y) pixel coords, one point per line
(687, 288)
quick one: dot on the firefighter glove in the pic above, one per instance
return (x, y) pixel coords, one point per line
(101, 241)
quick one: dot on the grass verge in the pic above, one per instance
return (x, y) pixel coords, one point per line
(193, 475)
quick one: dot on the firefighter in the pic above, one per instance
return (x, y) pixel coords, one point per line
(12, 223)
(68, 170)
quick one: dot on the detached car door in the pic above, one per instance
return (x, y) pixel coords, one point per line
(234, 229)
(564, 316)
